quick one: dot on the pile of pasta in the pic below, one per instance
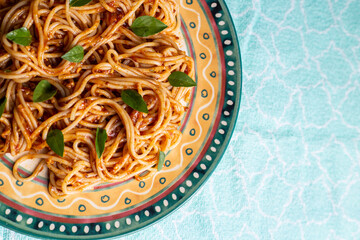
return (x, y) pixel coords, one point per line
(83, 70)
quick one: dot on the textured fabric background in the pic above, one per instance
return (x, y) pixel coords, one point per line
(292, 170)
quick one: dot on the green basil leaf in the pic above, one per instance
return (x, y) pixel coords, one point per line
(145, 26)
(134, 100)
(161, 160)
(180, 79)
(55, 140)
(20, 36)
(100, 140)
(2, 105)
(43, 91)
(7, 71)
(75, 55)
(79, 3)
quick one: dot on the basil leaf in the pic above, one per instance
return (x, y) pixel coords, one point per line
(2, 105)
(43, 91)
(79, 3)
(20, 36)
(145, 26)
(7, 71)
(134, 100)
(75, 55)
(161, 160)
(180, 79)
(100, 140)
(55, 140)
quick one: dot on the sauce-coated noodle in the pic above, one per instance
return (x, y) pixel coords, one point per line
(89, 93)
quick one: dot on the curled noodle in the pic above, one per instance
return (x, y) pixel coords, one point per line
(89, 93)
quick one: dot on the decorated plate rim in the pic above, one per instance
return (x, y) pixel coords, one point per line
(231, 111)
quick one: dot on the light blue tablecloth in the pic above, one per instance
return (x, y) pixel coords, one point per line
(292, 168)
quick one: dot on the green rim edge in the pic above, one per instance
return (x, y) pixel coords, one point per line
(138, 225)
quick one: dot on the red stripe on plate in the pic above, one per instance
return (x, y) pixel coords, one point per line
(10, 165)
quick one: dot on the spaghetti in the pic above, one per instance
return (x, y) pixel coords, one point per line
(89, 92)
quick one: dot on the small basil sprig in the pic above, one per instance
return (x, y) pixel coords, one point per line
(55, 140)
(134, 100)
(43, 91)
(145, 26)
(180, 79)
(100, 140)
(20, 36)
(7, 71)
(2, 105)
(79, 3)
(75, 55)
(161, 160)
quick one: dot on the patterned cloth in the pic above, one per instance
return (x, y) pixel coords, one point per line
(292, 169)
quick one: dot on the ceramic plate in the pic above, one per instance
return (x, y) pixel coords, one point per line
(116, 209)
